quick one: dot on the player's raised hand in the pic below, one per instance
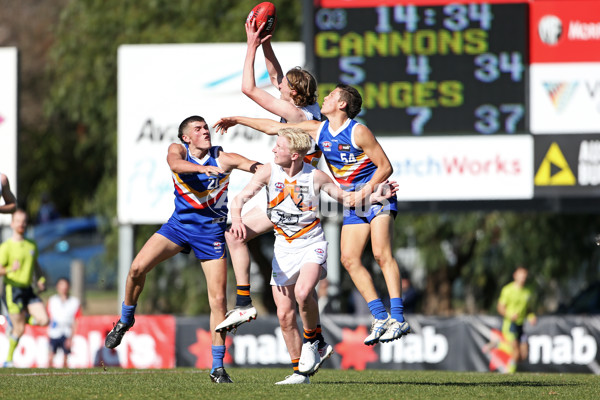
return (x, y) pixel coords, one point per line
(254, 35)
(223, 124)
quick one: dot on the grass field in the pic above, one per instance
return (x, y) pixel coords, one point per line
(187, 383)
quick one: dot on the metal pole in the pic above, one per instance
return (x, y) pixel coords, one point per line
(126, 247)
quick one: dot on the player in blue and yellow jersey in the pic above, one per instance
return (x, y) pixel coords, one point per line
(201, 178)
(358, 163)
(18, 265)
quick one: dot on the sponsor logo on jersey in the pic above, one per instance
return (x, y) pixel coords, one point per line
(217, 245)
(344, 147)
(300, 189)
(326, 146)
(319, 251)
(279, 186)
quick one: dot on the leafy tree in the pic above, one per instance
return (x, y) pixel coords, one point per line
(480, 251)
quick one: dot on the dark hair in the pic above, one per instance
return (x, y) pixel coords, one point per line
(185, 123)
(305, 86)
(352, 98)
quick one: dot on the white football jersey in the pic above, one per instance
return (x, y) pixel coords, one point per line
(292, 206)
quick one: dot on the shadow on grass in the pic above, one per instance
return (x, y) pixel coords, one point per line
(441, 384)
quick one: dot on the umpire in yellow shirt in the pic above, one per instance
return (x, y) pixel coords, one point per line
(513, 305)
(18, 263)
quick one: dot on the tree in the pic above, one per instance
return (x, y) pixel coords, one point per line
(480, 251)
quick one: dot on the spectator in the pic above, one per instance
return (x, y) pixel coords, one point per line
(63, 310)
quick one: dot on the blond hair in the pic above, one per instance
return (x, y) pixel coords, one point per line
(298, 140)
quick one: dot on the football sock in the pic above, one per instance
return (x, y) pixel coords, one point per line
(309, 336)
(396, 309)
(295, 362)
(218, 353)
(127, 313)
(243, 296)
(12, 345)
(377, 309)
(320, 337)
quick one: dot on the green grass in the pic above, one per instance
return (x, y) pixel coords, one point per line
(187, 383)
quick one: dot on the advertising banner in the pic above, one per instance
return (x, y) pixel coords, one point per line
(461, 167)
(564, 31)
(565, 98)
(565, 67)
(151, 344)
(465, 343)
(567, 165)
(161, 85)
(8, 119)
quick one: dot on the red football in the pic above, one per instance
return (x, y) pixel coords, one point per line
(264, 13)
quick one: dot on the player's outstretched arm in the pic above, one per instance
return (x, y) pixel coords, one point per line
(231, 161)
(176, 159)
(267, 126)
(259, 179)
(10, 202)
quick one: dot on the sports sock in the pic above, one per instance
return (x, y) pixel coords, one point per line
(218, 353)
(243, 296)
(12, 345)
(127, 313)
(396, 309)
(320, 337)
(295, 362)
(377, 309)
(309, 336)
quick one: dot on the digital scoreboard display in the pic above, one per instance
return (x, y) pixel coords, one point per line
(428, 70)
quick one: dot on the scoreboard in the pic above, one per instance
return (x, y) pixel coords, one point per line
(446, 69)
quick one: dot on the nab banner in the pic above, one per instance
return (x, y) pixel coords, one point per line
(466, 343)
(567, 165)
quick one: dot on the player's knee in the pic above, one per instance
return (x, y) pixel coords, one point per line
(349, 261)
(382, 258)
(218, 302)
(136, 270)
(286, 317)
(303, 295)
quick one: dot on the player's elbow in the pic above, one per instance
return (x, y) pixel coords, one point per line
(386, 170)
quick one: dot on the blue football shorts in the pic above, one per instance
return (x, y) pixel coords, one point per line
(207, 240)
(357, 215)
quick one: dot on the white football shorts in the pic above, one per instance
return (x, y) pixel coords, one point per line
(288, 262)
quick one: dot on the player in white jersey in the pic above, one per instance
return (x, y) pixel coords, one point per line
(297, 103)
(63, 311)
(300, 254)
(10, 202)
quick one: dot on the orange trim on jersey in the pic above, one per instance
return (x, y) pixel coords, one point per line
(200, 206)
(195, 192)
(301, 232)
(289, 190)
(313, 159)
(348, 180)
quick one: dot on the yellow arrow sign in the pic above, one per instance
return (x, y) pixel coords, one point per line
(544, 175)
